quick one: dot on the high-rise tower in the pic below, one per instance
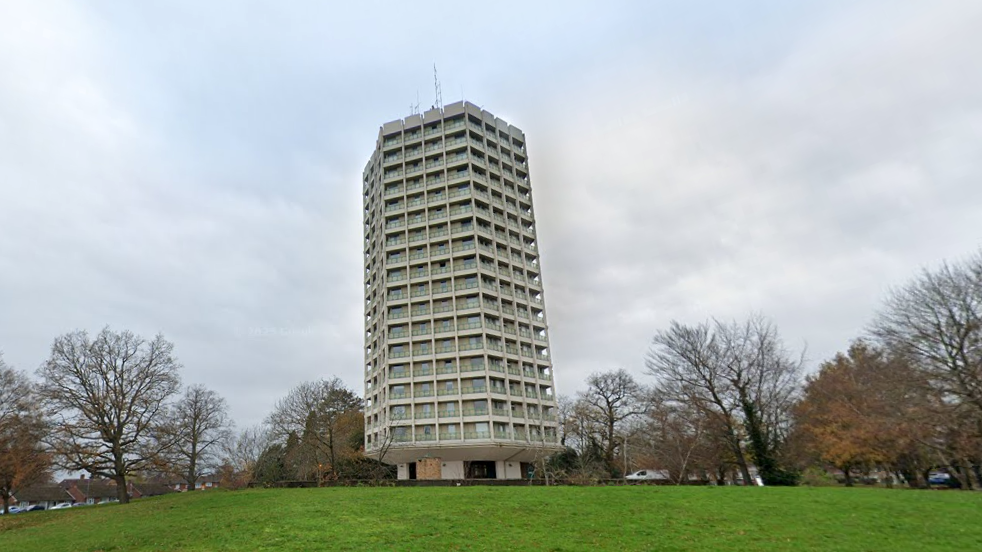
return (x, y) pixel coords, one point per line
(458, 377)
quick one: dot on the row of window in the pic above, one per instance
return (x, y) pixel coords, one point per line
(456, 409)
(432, 131)
(456, 432)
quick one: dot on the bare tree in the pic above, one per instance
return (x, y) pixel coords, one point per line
(324, 414)
(199, 424)
(241, 454)
(740, 376)
(23, 460)
(602, 411)
(109, 395)
(677, 439)
(937, 320)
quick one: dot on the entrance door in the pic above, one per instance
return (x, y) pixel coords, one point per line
(482, 470)
(412, 470)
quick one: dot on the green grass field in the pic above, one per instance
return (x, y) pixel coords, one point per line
(513, 518)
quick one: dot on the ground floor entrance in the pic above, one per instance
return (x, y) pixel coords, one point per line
(481, 470)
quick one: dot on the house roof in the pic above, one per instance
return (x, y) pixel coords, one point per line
(92, 488)
(43, 493)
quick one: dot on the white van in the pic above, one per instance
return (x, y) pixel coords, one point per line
(648, 474)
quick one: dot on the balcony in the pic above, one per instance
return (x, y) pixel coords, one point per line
(477, 435)
(472, 367)
(470, 389)
(475, 412)
(449, 414)
(450, 436)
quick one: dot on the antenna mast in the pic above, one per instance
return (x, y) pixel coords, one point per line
(436, 88)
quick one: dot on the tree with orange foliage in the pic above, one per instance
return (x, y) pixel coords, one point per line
(23, 460)
(861, 410)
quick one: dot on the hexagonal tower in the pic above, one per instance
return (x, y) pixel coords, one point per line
(458, 378)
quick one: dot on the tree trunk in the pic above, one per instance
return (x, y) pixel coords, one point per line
(742, 463)
(192, 475)
(121, 494)
(846, 470)
(6, 504)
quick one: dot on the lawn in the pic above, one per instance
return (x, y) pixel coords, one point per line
(514, 518)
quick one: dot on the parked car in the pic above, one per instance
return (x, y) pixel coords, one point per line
(35, 508)
(12, 509)
(938, 478)
(61, 506)
(647, 475)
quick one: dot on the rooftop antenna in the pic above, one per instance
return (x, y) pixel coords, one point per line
(436, 88)
(414, 108)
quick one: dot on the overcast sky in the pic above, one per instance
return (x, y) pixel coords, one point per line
(193, 168)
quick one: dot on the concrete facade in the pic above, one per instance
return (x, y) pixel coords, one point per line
(457, 364)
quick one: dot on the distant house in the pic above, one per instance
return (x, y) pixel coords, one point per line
(47, 495)
(91, 491)
(203, 483)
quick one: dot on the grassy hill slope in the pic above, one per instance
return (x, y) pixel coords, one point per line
(513, 518)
